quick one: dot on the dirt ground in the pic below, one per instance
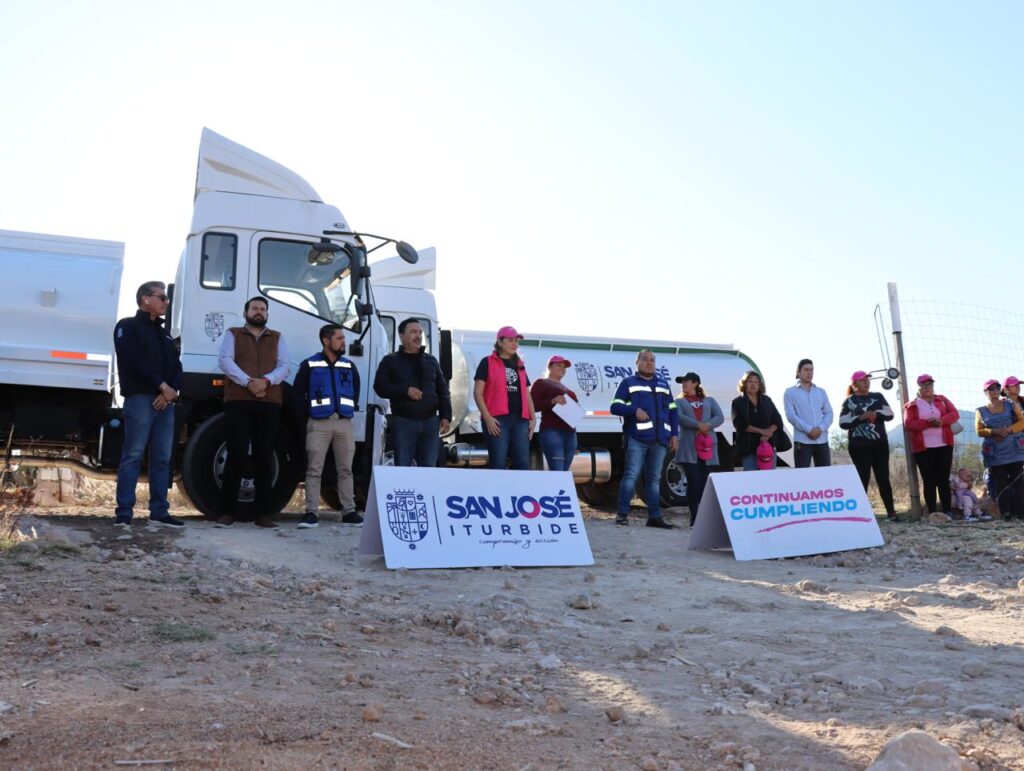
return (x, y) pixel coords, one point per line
(244, 648)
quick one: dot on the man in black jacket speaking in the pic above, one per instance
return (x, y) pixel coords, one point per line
(421, 407)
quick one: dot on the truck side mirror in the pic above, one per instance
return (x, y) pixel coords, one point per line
(357, 255)
(407, 253)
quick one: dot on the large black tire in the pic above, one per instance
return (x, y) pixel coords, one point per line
(671, 487)
(599, 496)
(673, 483)
(203, 468)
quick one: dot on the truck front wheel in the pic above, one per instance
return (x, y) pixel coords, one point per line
(673, 484)
(203, 471)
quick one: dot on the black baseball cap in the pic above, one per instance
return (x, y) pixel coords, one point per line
(692, 376)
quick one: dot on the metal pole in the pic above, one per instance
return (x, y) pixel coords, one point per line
(901, 364)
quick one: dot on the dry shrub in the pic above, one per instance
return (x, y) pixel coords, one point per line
(13, 503)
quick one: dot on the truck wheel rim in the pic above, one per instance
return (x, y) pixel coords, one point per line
(675, 479)
(247, 490)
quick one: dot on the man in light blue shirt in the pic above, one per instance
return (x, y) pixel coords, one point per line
(808, 410)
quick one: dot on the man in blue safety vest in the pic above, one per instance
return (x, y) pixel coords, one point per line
(650, 425)
(328, 384)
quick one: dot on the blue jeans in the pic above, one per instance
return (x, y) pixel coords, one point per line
(514, 442)
(145, 427)
(648, 458)
(415, 439)
(559, 448)
(750, 462)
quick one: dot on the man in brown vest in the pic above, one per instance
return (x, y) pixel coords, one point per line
(255, 360)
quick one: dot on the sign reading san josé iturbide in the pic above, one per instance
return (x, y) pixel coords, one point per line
(785, 513)
(445, 518)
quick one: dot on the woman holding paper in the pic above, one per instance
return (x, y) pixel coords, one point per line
(557, 438)
(699, 416)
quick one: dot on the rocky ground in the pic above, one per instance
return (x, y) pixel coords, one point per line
(245, 648)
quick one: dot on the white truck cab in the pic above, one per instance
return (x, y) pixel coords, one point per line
(258, 230)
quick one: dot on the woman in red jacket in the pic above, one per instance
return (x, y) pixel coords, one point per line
(928, 420)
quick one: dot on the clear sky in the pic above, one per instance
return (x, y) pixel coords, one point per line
(741, 172)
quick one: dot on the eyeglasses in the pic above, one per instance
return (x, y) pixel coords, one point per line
(161, 297)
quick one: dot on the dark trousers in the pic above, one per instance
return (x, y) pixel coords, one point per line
(1009, 481)
(250, 425)
(696, 480)
(803, 454)
(415, 439)
(934, 465)
(874, 456)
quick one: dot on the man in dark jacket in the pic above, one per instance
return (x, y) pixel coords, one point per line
(421, 407)
(149, 372)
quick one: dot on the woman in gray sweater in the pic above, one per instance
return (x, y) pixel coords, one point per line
(699, 416)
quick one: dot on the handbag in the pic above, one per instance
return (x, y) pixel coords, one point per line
(782, 441)
(956, 427)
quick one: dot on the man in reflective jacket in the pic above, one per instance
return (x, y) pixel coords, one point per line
(650, 424)
(329, 386)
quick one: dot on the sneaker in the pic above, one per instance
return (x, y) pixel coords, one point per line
(892, 518)
(125, 522)
(266, 522)
(622, 519)
(166, 521)
(226, 521)
(311, 520)
(659, 522)
(352, 518)
(984, 518)
(970, 518)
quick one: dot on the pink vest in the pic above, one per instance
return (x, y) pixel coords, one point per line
(495, 390)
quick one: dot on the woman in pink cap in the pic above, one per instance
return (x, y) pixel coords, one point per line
(557, 438)
(1011, 390)
(863, 415)
(928, 420)
(502, 393)
(1000, 424)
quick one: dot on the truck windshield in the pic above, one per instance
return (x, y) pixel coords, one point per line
(286, 275)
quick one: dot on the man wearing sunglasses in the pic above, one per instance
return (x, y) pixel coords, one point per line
(149, 373)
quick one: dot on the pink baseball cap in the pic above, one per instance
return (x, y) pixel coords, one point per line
(859, 375)
(556, 359)
(704, 445)
(1011, 381)
(922, 379)
(990, 383)
(509, 332)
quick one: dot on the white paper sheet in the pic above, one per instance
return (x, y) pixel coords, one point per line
(571, 412)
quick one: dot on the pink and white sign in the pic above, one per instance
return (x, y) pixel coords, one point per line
(785, 513)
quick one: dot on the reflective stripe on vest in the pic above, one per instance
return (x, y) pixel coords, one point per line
(645, 426)
(634, 389)
(661, 390)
